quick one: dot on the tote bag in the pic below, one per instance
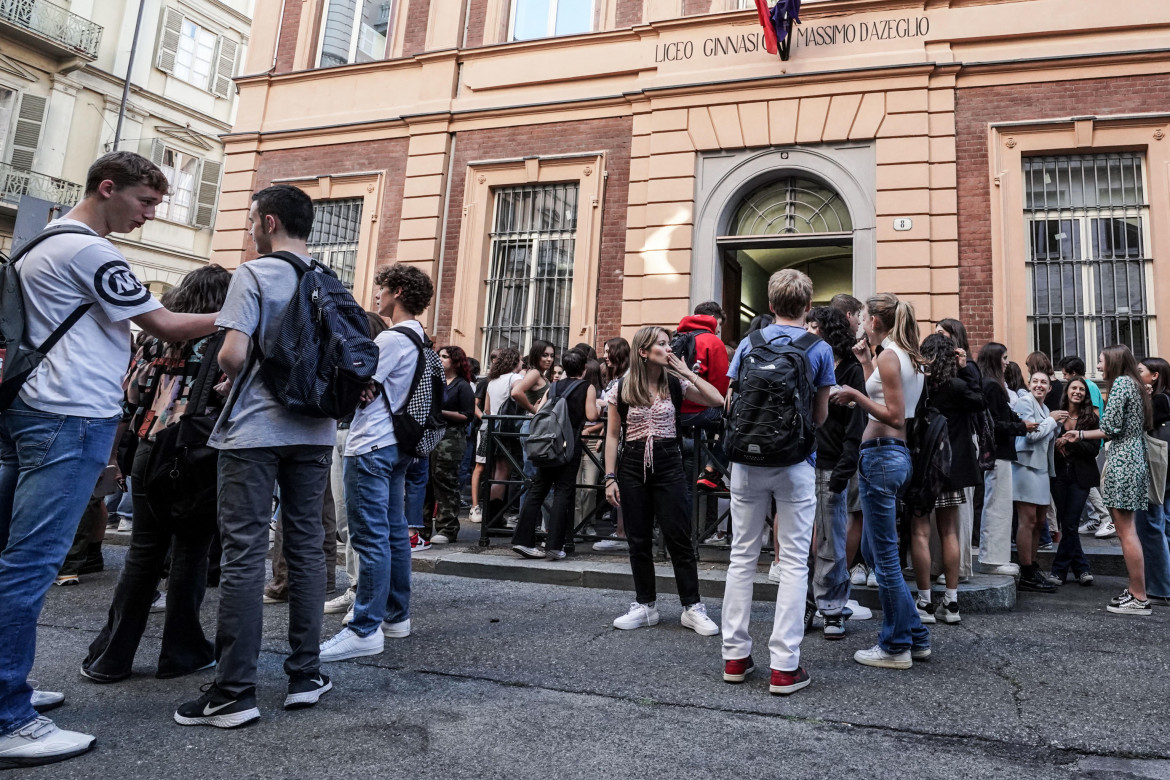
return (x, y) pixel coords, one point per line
(1156, 457)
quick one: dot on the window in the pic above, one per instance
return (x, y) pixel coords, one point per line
(7, 107)
(792, 205)
(334, 239)
(546, 18)
(354, 31)
(1089, 273)
(195, 55)
(181, 171)
(530, 283)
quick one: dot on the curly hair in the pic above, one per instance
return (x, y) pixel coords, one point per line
(505, 363)
(459, 362)
(415, 287)
(201, 292)
(941, 363)
(835, 330)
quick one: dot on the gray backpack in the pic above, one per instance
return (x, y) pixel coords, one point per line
(551, 435)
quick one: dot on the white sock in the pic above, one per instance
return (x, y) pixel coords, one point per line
(924, 595)
(952, 594)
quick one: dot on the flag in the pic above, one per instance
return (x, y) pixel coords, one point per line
(766, 23)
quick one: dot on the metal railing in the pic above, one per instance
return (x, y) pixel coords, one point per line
(503, 442)
(14, 183)
(55, 23)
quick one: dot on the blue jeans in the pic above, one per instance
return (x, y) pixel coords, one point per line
(418, 471)
(375, 494)
(1152, 527)
(882, 475)
(49, 464)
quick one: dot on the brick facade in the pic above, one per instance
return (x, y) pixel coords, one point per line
(629, 13)
(286, 44)
(611, 135)
(975, 108)
(415, 40)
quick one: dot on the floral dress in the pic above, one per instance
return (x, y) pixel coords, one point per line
(1126, 481)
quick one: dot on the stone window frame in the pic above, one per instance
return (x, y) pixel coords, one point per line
(367, 185)
(1008, 144)
(587, 170)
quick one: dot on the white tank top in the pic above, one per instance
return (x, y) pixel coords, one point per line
(912, 381)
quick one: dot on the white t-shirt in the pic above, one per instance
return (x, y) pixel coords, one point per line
(499, 390)
(372, 427)
(82, 375)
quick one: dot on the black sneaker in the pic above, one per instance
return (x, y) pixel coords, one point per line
(711, 481)
(306, 690)
(1035, 582)
(219, 708)
(948, 612)
(810, 612)
(834, 627)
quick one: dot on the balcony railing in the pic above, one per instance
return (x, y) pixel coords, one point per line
(47, 20)
(14, 183)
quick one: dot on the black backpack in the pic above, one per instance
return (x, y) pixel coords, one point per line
(17, 359)
(552, 438)
(323, 357)
(928, 438)
(685, 346)
(419, 425)
(771, 418)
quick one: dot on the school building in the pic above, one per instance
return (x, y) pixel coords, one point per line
(573, 169)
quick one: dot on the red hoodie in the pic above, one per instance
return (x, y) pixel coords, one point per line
(710, 353)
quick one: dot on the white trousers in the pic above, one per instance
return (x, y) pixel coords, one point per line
(753, 488)
(995, 530)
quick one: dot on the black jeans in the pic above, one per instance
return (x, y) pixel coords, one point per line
(1070, 501)
(562, 481)
(184, 646)
(660, 494)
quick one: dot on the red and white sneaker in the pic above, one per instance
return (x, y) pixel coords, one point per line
(417, 543)
(736, 670)
(785, 683)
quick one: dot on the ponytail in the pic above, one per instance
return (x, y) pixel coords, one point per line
(905, 332)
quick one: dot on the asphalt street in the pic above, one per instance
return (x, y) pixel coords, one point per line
(515, 680)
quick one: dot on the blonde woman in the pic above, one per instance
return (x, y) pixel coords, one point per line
(647, 480)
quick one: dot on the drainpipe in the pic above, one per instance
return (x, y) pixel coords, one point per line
(129, 70)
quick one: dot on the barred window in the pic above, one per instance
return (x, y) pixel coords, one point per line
(1089, 269)
(334, 238)
(530, 282)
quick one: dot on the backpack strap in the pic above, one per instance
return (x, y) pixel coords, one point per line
(418, 368)
(806, 341)
(623, 407)
(205, 378)
(299, 264)
(676, 398)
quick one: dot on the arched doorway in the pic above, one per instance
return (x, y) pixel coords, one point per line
(790, 222)
(760, 210)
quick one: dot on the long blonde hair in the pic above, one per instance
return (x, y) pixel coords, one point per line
(898, 318)
(636, 389)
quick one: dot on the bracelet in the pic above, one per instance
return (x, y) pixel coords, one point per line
(611, 476)
(1082, 436)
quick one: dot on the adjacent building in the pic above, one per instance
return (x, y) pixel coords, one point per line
(63, 66)
(573, 169)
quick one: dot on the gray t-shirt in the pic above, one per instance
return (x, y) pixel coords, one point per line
(256, 301)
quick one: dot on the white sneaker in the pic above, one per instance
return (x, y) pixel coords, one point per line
(695, 618)
(342, 603)
(43, 701)
(774, 572)
(440, 539)
(871, 579)
(1010, 569)
(475, 515)
(347, 644)
(942, 580)
(160, 602)
(611, 545)
(859, 612)
(41, 742)
(1089, 527)
(876, 656)
(511, 519)
(399, 630)
(345, 621)
(858, 574)
(638, 616)
(1106, 530)
(125, 525)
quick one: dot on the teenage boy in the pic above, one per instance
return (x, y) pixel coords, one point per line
(711, 365)
(850, 307)
(261, 443)
(58, 435)
(375, 474)
(1099, 522)
(859, 574)
(793, 489)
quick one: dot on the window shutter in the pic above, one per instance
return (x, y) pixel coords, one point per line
(156, 151)
(29, 121)
(168, 39)
(207, 194)
(225, 67)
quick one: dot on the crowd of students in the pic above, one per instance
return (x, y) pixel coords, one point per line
(834, 419)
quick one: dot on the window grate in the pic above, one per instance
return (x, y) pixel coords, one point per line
(334, 238)
(1089, 270)
(530, 282)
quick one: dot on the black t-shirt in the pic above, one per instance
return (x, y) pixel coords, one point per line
(459, 397)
